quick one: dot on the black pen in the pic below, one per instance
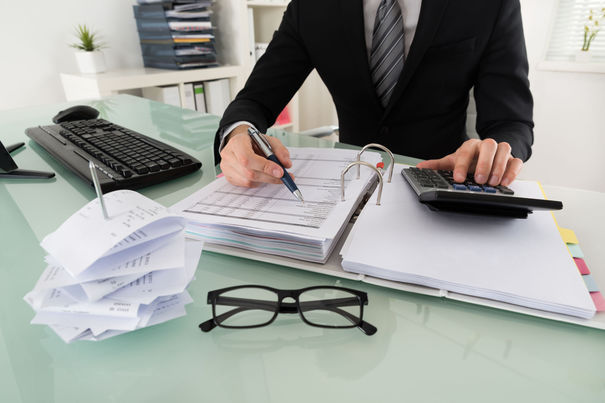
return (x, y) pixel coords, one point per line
(264, 146)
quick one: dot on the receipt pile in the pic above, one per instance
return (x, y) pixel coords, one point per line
(105, 277)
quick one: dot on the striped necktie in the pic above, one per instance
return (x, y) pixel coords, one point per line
(386, 58)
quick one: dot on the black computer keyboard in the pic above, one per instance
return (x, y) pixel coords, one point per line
(439, 191)
(126, 159)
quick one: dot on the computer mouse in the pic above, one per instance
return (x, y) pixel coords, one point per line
(78, 112)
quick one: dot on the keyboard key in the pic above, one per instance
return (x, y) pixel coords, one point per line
(175, 162)
(475, 188)
(141, 169)
(459, 186)
(489, 189)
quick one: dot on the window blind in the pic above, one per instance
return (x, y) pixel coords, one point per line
(567, 35)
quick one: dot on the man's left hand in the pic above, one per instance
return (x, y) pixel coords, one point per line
(491, 162)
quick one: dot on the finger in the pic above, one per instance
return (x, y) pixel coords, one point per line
(464, 157)
(446, 163)
(250, 165)
(238, 180)
(487, 151)
(512, 170)
(245, 177)
(280, 151)
(500, 161)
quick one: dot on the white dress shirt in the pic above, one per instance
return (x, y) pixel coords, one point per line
(410, 9)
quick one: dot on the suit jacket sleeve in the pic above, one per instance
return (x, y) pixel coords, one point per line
(276, 77)
(504, 101)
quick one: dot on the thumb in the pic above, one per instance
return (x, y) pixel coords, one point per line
(446, 163)
(281, 152)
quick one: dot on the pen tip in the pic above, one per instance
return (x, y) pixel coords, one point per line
(299, 196)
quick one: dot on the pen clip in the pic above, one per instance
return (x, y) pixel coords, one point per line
(260, 141)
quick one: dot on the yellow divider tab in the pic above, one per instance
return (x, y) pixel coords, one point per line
(568, 235)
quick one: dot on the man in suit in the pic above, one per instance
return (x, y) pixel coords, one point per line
(399, 72)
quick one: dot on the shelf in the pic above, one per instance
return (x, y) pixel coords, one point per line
(117, 80)
(282, 127)
(83, 86)
(267, 3)
(576, 67)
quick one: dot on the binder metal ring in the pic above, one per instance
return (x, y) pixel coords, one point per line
(375, 145)
(358, 163)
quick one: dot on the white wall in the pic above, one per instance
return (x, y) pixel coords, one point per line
(569, 112)
(569, 107)
(34, 38)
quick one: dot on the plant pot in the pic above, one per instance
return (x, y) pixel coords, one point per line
(91, 62)
(583, 56)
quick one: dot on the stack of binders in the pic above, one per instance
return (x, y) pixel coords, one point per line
(176, 35)
(108, 276)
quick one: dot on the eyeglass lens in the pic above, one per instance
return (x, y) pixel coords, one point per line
(243, 307)
(330, 307)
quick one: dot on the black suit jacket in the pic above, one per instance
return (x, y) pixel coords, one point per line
(458, 44)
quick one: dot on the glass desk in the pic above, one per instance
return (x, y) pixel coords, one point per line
(426, 349)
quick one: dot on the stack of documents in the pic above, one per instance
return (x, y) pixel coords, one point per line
(517, 261)
(270, 219)
(109, 276)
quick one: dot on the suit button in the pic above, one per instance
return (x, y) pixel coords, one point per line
(384, 131)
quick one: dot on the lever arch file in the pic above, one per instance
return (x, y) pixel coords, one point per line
(516, 265)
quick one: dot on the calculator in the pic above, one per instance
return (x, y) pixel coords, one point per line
(438, 190)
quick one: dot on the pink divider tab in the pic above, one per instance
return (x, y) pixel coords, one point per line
(599, 301)
(581, 265)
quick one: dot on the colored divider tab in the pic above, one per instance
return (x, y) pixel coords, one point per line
(599, 301)
(590, 283)
(568, 235)
(581, 265)
(575, 250)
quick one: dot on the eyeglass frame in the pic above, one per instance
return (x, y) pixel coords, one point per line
(279, 306)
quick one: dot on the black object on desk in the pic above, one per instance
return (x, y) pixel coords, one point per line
(9, 169)
(438, 190)
(250, 306)
(126, 159)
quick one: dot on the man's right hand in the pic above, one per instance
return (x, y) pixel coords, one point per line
(243, 166)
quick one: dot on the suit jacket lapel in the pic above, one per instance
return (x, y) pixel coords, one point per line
(353, 27)
(431, 13)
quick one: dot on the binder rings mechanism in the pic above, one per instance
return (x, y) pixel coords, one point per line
(383, 148)
(358, 163)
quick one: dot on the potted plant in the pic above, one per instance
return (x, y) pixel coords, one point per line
(591, 29)
(89, 57)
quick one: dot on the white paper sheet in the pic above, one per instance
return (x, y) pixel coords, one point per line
(86, 236)
(169, 255)
(161, 283)
(272, 206)
(520, 261)
(270, 219)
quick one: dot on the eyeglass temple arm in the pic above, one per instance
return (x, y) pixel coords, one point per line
(211, 323)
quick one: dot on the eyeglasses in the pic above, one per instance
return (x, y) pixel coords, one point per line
(249, 306)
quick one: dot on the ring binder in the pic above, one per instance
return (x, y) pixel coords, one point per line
(376, 145)
(358, 163)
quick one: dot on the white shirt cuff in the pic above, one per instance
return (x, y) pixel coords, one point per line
(229, 129)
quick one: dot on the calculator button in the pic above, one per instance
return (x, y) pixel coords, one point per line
(505, 190)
